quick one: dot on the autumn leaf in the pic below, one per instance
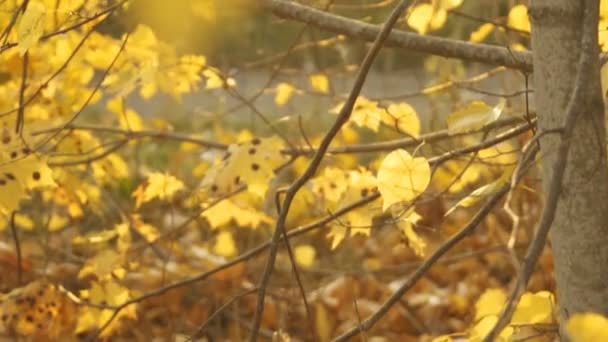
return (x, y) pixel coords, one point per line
(337, 234)
(31, 25)
(420, 17)
(416, 242)
(305, 255)
(481, 33)
(31, 309)
(534, 308)
(490, 303)
(584, 327)
(365, 113)
(483, 191)
(518, 18)
(157, 185)
(319, 82)
(402, 178)
(234, 210)
(128, 118)
(403, 118)
(107, 292)
(215, 79)
(331, 184)
(224, 244)
(21, 172)
(102, 265)
(474, 116)
(430, 17)
(251, 163)
(283, 93)
(481, 328)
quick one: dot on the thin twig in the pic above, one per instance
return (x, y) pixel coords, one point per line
(21, 114)
(201, 329)
(17, 248)
(382, 146)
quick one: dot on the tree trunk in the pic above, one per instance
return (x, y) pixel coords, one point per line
(579, 235)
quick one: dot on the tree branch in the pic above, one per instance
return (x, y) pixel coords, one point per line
(445, 47)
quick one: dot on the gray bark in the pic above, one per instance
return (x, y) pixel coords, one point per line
(579, 235)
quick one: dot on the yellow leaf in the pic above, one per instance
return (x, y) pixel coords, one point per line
(440, 16)
(305, 255)
(483, 327)
(56, 222)
(149, 232)
(401, 177)
(604, 76)
(24, 222)
(95, 237)
(12, 193)
(331, 185)
(251, 163)
(31, 26)
(337, 235)
(501, 154)
(420, 17)
(474, 116)
(20, 172)
(107, 293)
(490, 303)
(344, 189)
(402, 117)
(320, 83)
(200, 169)
(110, 168)
(534, 308)
(457, 175)
(365, 113)
(481, 33)
(215, 80)
(323, 322)
(224, 244)
(158, 185)
(283, 94)
(482, 192)
(603, 8)
(30, 309)
(130, 120)
(518, 18)
(228, 210)
(102, 264)
(587, 327)
(415, 241)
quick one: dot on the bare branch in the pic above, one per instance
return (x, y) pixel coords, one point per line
(434, 45)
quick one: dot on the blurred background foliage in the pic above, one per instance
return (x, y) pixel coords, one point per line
(236, 32)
